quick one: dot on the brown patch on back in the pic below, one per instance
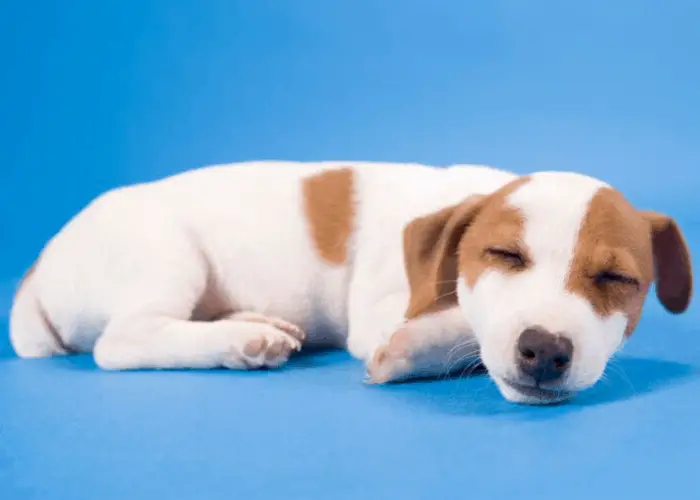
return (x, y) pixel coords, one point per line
(330, 210)
(431, 246)
(614, 237)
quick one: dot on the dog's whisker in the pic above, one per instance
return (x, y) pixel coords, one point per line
(472, 356)
(618, 370)
(470, 368)
(454, 351)
(450, 370)
(465, 343)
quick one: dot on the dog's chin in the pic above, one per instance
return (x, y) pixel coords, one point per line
(515, 392)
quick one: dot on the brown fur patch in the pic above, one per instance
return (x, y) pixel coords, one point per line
(330, 209)
(616, 238)
(431, 246)
(613, 238)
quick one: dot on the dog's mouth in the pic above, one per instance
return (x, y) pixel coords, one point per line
(542, 395)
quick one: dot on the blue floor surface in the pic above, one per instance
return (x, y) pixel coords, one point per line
(314, 431)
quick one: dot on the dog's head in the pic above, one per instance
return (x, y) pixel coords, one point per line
(551, 272)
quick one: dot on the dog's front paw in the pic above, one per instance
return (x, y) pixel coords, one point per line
(392, 361)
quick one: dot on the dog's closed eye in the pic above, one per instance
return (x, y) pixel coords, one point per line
(607, 278)
(512, 257)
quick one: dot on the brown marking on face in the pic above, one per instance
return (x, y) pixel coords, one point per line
(615, 258)
(495, 240)
(431, 246)
(330, 210)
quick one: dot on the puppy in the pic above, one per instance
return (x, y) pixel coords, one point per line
(415, 270)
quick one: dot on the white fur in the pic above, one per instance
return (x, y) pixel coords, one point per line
(122, 277)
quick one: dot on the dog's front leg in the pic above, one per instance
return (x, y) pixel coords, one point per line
(428, 346)
(395, 349)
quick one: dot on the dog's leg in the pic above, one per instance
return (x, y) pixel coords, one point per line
(372, 322)
(395, 349)
(428, 346)
(241, 341)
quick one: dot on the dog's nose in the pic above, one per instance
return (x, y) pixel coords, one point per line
(543, 356)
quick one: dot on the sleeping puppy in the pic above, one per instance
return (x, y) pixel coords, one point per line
(415, 270)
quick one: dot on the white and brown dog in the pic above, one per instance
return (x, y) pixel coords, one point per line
(413, 269)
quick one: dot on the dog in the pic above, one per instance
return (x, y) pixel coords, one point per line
(415, 270)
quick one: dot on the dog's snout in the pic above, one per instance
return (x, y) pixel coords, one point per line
(542, 355)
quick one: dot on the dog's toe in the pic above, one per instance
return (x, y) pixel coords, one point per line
(269, 348)
(390, 362)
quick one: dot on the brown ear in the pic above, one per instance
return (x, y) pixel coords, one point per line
(430, 252)
(674, 276)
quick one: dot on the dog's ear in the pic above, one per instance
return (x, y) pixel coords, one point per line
(430, 251)
(672, 264)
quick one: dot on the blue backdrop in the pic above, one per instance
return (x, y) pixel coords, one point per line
(97, 94)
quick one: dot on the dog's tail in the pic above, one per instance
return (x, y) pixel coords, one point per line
(32, 334)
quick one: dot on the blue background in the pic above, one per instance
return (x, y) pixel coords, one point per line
(98, 94)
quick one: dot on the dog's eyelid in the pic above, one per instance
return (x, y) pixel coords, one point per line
(504, 249)
(507, 252)
(615, 276)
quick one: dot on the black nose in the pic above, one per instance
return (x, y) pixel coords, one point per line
(543, 356)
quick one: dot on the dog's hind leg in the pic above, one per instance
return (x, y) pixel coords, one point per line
(160, 330)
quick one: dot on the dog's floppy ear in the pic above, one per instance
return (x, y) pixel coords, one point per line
(672, 265)
(430, 252)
